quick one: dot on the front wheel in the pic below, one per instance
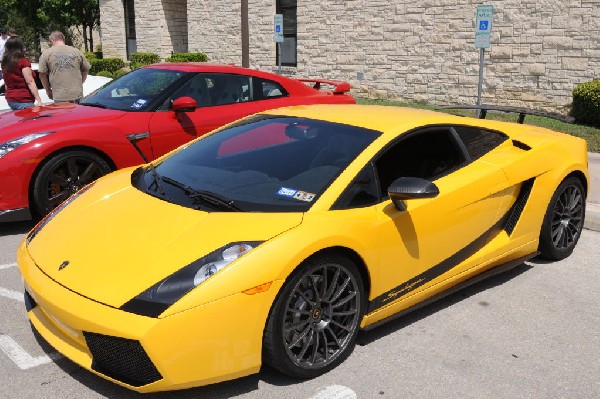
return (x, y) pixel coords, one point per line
(563, 221)
(313, 325)
(63, 175)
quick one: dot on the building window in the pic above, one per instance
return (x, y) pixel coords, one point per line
(130, 27)
(288, 48)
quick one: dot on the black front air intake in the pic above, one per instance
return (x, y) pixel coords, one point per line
(122, 359)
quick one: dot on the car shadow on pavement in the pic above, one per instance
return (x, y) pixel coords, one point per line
(13, 228)
(366, 337)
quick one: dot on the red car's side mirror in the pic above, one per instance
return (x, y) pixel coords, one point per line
(184, 104)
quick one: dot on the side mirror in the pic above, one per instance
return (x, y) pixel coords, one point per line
(406, 188)
(184, 104)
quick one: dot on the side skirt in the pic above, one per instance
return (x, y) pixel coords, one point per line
(473, 280)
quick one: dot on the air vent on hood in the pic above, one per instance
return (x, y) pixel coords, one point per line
(521, 145)
(35, 117)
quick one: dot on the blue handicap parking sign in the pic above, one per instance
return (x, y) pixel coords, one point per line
(483, 24)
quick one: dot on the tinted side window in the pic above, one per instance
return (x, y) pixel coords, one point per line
(427, 154)
(216, 89)
(267, 89)
(228, 89)
(362, 192)
(479, 141)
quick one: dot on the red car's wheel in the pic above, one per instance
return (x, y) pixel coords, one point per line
(314, 323)
(563, 221)
(63, 175)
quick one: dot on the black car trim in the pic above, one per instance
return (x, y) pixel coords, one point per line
(504, 267)
(457, 258)
(15, 215)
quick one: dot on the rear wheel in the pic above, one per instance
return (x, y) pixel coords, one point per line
(563, 221)
(63, 175)
(314, 323)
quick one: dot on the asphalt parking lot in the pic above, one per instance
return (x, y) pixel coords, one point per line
(529, 333)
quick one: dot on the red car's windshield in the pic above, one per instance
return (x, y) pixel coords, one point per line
(139, 90)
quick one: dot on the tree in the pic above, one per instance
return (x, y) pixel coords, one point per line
(87, 15)
(41, 17)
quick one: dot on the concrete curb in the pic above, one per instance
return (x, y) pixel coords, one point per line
(592, 216)
(592, 210)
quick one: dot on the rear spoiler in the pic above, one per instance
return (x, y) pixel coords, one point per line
(339, 86)
(515, 110)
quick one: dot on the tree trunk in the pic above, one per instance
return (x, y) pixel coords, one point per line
(91, 38)
(85, 39)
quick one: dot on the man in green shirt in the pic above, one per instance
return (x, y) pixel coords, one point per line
(63, 69)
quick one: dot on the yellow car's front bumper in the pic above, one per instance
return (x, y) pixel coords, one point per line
(218, 341)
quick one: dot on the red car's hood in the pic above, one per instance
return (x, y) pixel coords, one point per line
(51, 117)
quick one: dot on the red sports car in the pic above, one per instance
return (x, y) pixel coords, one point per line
(48, 153)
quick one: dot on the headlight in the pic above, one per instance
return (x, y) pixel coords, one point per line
(166, 292)
(53, 212)
(7, 147)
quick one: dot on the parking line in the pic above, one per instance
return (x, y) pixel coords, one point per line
(335, 392)
(21, 358)
(7, 266)
(16, 295)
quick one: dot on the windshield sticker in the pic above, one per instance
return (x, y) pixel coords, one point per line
(296, 194)
(287, 192)
(139, 103)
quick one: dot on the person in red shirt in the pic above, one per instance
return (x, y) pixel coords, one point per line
(21, 91)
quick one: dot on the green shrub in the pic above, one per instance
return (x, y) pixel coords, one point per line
(106, 74)
(120, 73)
(99, 48)
(586, 103)
(141, 59)
(187, 57)
(89, 55)
(106, 64)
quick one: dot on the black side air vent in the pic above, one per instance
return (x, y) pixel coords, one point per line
(35, 117)
(518, 206)
(521, 145)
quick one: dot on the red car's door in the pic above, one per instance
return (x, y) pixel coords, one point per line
(221, 99)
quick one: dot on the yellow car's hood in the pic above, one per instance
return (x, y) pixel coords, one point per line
(119, 241)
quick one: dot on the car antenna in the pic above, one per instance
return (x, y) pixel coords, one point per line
(133, 139)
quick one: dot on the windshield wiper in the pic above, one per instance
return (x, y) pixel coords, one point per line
(98, 105)
(156, 180)
(207, 197)
(155, 176)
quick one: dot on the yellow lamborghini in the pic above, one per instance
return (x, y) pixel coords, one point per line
(277, 238)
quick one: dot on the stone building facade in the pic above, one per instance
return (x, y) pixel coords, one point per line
(411, 50)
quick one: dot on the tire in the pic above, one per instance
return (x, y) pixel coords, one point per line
(313, 325)
(563, 221)
(64, 174)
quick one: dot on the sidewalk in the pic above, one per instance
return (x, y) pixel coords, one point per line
(592, 210)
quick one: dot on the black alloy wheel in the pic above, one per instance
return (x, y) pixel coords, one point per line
(63, 175)
(314, 323)
(563, 221)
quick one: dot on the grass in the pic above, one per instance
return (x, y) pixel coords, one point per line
(590, 134)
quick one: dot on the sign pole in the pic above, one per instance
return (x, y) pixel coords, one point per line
(483, 30)
(279, 58)
(278, 38)
(480, 85)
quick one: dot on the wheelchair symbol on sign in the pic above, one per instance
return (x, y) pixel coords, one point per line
(483, 25)
(278, 28)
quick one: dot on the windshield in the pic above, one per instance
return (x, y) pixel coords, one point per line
(261, 164)
(139, 90)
